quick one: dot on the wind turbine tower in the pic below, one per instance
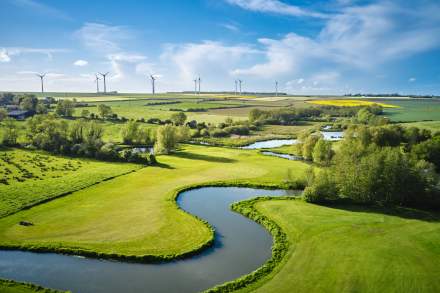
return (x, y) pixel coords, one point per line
(153, 79)
(240, 82)
(199, 80)
(104, 76)
(236, 85)
(276, 88)
(41, 76)
(97, 83)
(195, 86)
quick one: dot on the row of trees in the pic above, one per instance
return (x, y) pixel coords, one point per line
(370, 167)
(292, 115)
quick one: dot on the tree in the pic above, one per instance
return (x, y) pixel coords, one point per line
(85, 113)
(10, 133)
(322, 188)
(29, 103)
(76, 131)
(183, 133)
(104, 110)
(3, 114)
(308, 146)
(322, 152)
(166, 139)
(41, 108)
(65, 108)
(130, 132)
(178, 118)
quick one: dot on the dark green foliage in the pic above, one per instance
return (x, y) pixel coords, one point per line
(371, 167)
(65, 108)
(178, 118)
(428, 150)
(24, 287)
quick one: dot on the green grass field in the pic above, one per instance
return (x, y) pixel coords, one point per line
(29, 177)
(413, 110)
(353, 249)
(148, 221)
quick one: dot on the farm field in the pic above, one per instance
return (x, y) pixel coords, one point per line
(143, 202)
(29, 177)
(349, 103)
(411, 110)
(377, 250)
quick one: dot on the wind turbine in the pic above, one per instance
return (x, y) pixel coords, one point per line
(105, 85)
(240, 82)
(153, 79)
(236, 84)
(195, 86)
(41, 76)
(276, 88)
(97, 79)
(199, 84)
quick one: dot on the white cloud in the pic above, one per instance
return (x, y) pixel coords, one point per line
(412, 79)
(9, 52)
(232, 27)
(41, 8)
(4, 57)
(80, 63)
(103, 38)
(358, 37)
(300, 80)
(274, 6)
(207, 58)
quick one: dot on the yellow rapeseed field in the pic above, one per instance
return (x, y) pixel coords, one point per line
(349, 103)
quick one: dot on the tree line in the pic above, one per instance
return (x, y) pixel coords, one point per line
(386, 165)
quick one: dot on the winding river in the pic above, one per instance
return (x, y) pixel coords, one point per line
(240, 247)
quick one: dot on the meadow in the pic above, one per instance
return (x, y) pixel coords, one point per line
(148, 221)
(377, 249)
(29, 177)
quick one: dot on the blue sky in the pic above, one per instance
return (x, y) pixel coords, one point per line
(310, 47)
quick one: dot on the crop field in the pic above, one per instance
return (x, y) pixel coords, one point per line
(377, 250)
(143, 202)
(350, 103)
(137, 109)
(29, 177)
(411, 110)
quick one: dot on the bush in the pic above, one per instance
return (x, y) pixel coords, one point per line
(322, 189)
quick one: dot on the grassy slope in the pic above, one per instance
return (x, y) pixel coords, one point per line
(337, 250)
(136, 214)
(7, 286)
(52, 176)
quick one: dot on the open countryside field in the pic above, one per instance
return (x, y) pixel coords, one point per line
(376, 250)
(411, 110)
(146, 198)
(29, 177)
(349, 103)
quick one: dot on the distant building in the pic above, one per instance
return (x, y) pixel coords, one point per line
(20, 114)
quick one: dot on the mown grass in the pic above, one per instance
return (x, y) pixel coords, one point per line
(29, 177)
(8, 286)
(349, 103)
(136, 214)
(352, 249)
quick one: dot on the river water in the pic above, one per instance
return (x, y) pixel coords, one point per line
(241, 246)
